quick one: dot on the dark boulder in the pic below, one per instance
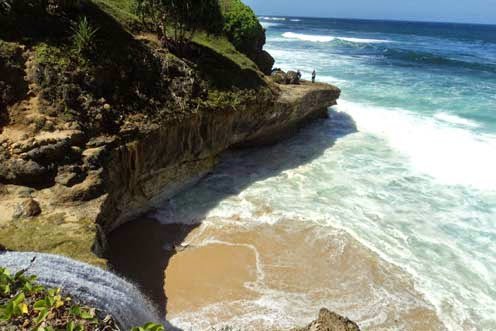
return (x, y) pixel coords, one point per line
(23, 172)
(264, 61)
(292, 77)
(279, 76)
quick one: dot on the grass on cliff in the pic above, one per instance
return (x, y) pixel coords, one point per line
(121, 10)
(222, 46)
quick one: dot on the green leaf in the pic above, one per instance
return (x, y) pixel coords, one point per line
(19, 298)
(153, 327)
(70, 326)
(40, 305)
(86, 315)
(75, 311)
(19, 274)
(41, 316)
(5, 289)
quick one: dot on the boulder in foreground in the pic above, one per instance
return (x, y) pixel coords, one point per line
(329, 321)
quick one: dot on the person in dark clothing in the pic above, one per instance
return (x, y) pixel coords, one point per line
(314, 74)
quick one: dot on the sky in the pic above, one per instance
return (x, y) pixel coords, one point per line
(463, 11)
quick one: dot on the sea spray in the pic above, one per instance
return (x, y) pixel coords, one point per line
(96, 287)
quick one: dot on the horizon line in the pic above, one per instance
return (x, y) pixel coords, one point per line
(378, 19)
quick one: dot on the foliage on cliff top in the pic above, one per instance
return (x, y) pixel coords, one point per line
(241, 26)
(26, 305)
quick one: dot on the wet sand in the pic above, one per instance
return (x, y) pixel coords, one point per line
(140, 251)
(278, 276)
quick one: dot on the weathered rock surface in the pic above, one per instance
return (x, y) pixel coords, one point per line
(329, 321)
(167, 159)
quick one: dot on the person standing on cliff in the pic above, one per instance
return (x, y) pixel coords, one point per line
(314, 74)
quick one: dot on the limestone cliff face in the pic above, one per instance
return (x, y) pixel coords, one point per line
(131, 172)
(167, 159)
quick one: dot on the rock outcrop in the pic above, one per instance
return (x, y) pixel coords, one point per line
(329, 321)
(289, 78)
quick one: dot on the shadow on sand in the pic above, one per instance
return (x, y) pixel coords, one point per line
(140, 250)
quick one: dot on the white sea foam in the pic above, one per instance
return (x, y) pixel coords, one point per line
(295, 20)
(453, 119)
(268, 18)
(308, 37)
(364, 40)
(267, 25)
(326, 39)
(451, 155)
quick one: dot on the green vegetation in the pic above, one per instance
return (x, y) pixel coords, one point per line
(183, 17)
(121, 10)
(26, 305)
(241, 26)
(84, 37)
(149, 327)
(222, 46)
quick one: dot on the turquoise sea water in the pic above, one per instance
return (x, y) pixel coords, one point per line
(416, 185)
(422, 170)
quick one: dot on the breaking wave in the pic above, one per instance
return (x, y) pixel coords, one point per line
(324, 39)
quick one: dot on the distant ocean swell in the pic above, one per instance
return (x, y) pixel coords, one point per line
(394, 54)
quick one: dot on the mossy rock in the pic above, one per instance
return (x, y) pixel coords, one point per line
(52, 235)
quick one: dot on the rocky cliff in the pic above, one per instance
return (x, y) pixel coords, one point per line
(91, 185)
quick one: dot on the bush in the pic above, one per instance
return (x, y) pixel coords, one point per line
(242, 27)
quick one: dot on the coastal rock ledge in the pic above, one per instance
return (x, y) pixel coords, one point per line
(128, 173)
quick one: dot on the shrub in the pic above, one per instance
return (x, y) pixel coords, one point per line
(84, 37)
(242, 27)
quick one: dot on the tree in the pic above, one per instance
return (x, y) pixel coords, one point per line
(182, 17)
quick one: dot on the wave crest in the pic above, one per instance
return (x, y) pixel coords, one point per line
(323, 39)
(308, 37)
(268, 18)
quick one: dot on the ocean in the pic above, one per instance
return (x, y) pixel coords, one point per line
(392, 224)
